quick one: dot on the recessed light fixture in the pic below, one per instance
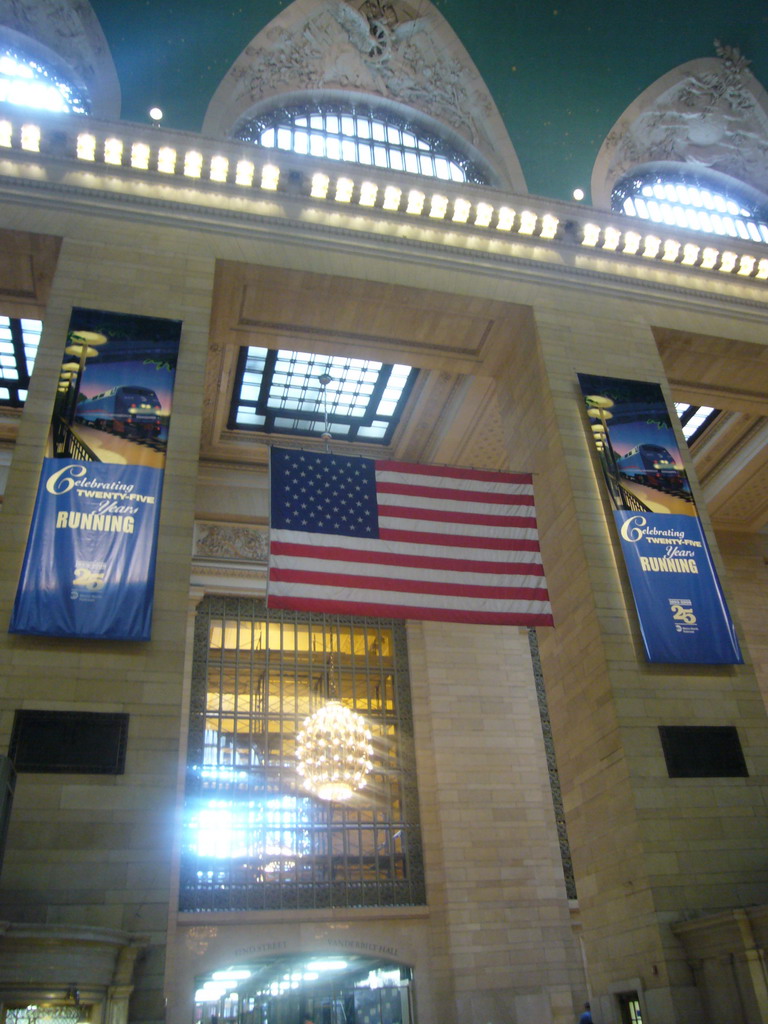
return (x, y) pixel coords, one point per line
(578, 194)
(156, 113)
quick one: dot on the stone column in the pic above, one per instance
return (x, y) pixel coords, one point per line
(647, 850)
(502, 943)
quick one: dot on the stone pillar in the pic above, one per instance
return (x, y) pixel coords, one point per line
(502, 943)
(96, 850)
(647, 850)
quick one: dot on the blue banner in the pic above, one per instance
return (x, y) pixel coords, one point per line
(679, 601)
(89, 567)
(680, 604)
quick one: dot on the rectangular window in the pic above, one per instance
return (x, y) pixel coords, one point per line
(254, 836)
(702, 751)
(19, 339)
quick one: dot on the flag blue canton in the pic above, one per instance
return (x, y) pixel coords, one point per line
(319, 492)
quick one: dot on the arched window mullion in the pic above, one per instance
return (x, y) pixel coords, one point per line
(361, 134)
(694, 201)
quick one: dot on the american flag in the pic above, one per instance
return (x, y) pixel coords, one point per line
(399, 540)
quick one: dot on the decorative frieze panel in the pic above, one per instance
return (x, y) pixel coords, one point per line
(712, 112)
(224, 543)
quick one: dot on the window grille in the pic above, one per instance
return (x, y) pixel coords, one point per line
(361, 135)
(253, 838)
(19, 340)
(675, 199)
(28, 83)
(277, 391)
(694, 419)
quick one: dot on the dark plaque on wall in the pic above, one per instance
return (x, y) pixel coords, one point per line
(82, 742)
(702, 752)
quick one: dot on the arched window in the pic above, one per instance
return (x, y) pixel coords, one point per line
(361, 134)
(699, 202)
(30, 83)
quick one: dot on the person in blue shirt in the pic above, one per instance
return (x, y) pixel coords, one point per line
(586, 1017)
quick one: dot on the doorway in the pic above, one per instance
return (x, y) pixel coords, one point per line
(338, 989)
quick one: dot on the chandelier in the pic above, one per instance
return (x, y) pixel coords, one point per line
(333, 750)
(333, 747)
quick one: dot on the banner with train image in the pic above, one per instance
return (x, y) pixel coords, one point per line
(680, 604)
(89, 566)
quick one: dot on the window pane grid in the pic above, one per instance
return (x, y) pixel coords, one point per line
(363, 136)
(682, 204)
(19, 339)
(253, 838)
(27, 83)
(281, 391)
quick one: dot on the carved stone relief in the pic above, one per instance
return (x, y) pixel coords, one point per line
(231, 543)
(375, 48)
(711, 112)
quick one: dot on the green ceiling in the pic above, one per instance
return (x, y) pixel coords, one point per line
(561, 72)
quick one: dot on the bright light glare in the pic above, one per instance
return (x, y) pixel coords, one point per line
(368, 193)
(548, 226)
(140, 153)
(113, 151)
(438, 206)
(591, 234)
(166, 160)
(415, 202)
(193, 163)
(26, 83)
(244, 173)
(30, 137)
(505, 219)
(86, 146)
(344, 189)
(483, 214)
(270, 177)
(219, 168)
(391, 197)
(319, 189)
(461, 210)
(728, 261)
(327, 965)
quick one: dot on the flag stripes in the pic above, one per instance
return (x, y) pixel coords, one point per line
(385, 538)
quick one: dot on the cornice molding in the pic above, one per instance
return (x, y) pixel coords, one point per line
(567, 266)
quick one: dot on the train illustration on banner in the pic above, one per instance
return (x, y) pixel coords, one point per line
(129, 410)
(651, 464)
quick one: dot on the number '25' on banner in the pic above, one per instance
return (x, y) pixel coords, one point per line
(89, 566)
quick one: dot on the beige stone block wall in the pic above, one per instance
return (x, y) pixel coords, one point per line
(501, 940)
(746, 561)
(647, 850)
(95, 850)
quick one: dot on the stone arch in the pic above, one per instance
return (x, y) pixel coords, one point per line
(383, 51)
(709, 115)
(68, 38)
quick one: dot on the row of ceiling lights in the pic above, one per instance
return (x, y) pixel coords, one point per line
(343, 189)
